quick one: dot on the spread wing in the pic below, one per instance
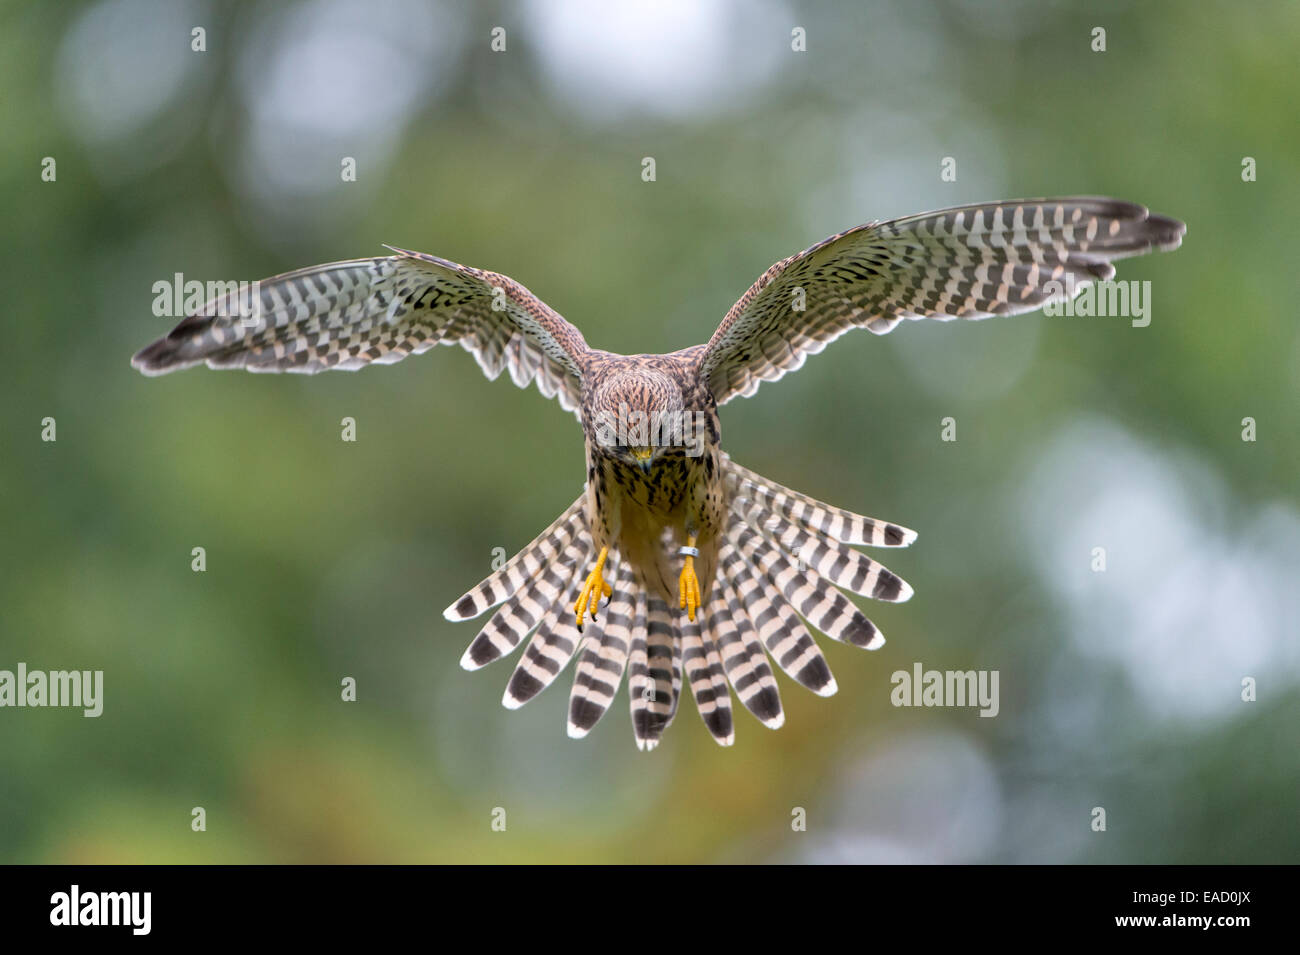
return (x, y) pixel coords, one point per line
(348, 314)
(966, 262)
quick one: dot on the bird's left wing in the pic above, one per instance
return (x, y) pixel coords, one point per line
(966, 262)
(346, 315)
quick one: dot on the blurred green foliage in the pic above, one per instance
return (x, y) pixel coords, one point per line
(327, 559)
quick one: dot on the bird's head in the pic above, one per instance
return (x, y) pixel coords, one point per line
(638, 415)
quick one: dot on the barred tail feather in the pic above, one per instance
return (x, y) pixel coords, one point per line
(825, 519)
(656, 671)
(777, 623)
(556, 640)
(743, 656)
(538, 554)
(547, 654)
(703, 666)
(640, 687)
(600, 668)
(841, 565)
(819, 602)
(524, 610)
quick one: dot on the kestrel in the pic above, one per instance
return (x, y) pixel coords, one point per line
(705, 567)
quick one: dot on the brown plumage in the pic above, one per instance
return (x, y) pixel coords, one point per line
(666, 514)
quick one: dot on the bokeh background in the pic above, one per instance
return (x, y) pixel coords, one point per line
(327, 559)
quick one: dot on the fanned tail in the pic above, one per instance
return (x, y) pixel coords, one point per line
(783, 559)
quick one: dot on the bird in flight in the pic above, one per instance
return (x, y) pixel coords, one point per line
(705, 568)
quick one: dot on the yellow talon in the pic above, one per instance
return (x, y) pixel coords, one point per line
(688, 584)
(593, 590)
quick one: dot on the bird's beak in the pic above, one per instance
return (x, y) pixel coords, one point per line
(643, 456)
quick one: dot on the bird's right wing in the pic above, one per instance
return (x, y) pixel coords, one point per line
(348, 314)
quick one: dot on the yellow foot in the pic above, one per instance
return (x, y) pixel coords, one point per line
(688, 585)
(593, 590)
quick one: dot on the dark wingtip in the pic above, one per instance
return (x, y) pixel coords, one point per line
(157, 358)
(165, 355)
(1099, 270)
(1166, 233)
